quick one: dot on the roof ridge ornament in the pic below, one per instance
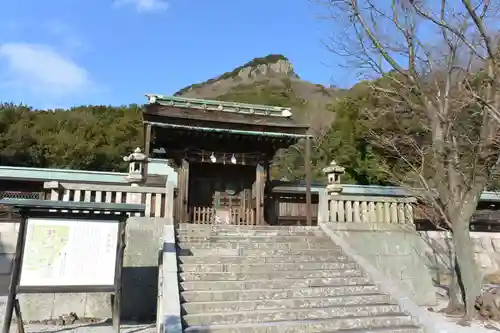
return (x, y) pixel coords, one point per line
(152, 99)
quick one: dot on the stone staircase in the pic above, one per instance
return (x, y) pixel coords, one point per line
(277, 279)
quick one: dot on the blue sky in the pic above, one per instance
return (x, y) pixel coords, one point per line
(59, 53)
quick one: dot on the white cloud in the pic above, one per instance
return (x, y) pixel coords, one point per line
(144, 6)
(39, 69)
(68, 37)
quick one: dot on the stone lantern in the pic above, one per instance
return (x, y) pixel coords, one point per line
(333, 172)
(137, 167)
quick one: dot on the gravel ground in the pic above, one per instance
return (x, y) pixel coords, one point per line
(91, 328)
(448, 324)
(82, 328)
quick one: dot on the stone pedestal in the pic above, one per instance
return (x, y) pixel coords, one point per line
(222, 216)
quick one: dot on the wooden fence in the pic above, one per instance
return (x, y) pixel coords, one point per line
(158, 200)
(203, 215)
(291, 209)
(242, 216)
(237, 216)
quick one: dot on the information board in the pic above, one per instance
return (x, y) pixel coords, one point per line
(69, 252)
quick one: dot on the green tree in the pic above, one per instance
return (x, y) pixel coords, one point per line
(442, 122)
(347, 143)
(85, 137)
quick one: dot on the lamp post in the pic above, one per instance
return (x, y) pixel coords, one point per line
(333, 172)
(137, 167)
(136, 172)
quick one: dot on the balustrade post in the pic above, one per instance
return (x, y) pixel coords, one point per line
(323, 215)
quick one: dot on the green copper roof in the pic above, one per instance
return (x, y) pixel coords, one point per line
(211, 105)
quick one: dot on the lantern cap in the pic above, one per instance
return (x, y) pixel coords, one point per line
(334, 168)
(136, 156)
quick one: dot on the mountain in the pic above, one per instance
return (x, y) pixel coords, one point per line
(270, 80)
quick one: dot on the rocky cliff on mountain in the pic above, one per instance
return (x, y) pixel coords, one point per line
(270, 80)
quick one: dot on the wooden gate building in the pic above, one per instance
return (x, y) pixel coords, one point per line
(222, 152)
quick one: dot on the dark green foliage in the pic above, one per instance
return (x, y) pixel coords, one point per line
(346, 142)
(85, 137)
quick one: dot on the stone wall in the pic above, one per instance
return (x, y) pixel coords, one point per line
(400, 253)
(396, 251)
(438, 249)
(140, 278)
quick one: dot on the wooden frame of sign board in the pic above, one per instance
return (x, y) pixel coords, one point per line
(71, 214)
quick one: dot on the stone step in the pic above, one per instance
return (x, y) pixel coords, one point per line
(290, 303)
(183, 238)
(257, 252)
(274, 284)
(260, 294)
(221, 227)
(380, 324)
(329, 324)
(267, 267)
(246, 232)
(240, 260)
(266, 275)
(262, 246)
(252, 233)
(241, 317)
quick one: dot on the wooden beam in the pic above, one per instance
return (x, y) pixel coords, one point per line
(267, 167)
(197, 156)
(307, 165)
(185, 193)
(147, 139)
(259, 200)
(117, 301)
(15, 275)
(180, 195)
(174, 139)
(147, 143)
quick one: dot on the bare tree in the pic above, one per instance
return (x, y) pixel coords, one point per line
(439, 65)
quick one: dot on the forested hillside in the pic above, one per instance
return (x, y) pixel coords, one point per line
(97, 137)
(85, 137)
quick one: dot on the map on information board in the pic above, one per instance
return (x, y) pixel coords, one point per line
(69, 252)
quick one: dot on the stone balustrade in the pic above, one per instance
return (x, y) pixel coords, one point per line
(158, 200)
(337, 206)
(370, 209)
